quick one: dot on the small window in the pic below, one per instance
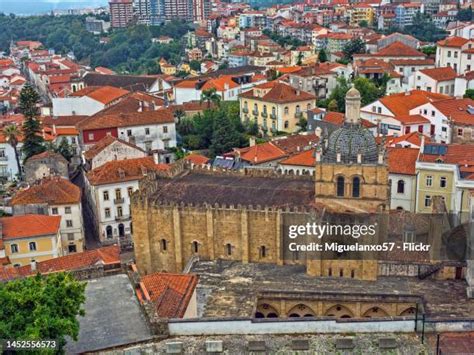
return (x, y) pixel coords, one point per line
(165, 129)
(147, 131)
(429, 180)
(341, 273)
(71, 248)
(263, 251)
(286, 110)
(330, 272)
(460, 132)
(340, 186)
(287, 124)
(91, 136)
(401, 187)
(118, 194)
(130, 191)
(119, 211)
(442, 181)
(14, 248)
(379, 110)
(129, 132)
(427, 201)
(408, 236)
(107, 212)
(164, 245)
(228, 249)
(106, 195)
(67, 210)
(54, 210)
(70, 236)
(195, 247)
(68, 223)
(352, 273)
(32, 246)
(356, 187)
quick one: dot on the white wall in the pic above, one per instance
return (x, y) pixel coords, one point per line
(436, 118)
(77, 228)
(79, 106)
(116, 151)
(8, 164)
(406, 200)
(156, 138)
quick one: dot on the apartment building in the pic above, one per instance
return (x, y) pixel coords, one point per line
(121, 13)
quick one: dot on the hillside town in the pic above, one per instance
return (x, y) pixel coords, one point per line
(171, 193)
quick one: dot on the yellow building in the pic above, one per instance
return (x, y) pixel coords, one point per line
(168, 69)
(446, 171)
(275, 106)
(362, 12)
(31, 238)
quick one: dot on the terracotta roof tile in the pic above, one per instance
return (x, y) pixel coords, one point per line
(455, 154)
(30, 225)
(128, 119)
(103, 94)
(412, 119)
(440, 74)
(102, 256)
(456, 110)
(53, 191)
(296, 143)
(305, 158)
(123, 170)
(456, 42)
(171, 293)
(47, 154)
(261, 153)
(221, 83)
(401, 104)
(197, 159)
(402, 160)
(413, 138)
(279, 93)
(398, 49)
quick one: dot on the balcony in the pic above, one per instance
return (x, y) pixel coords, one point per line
(264, 114)
(3, 158)
(118, 201)
(273, 116)
(122, 218)
(298, 115)
(255, 112)
(245, 110)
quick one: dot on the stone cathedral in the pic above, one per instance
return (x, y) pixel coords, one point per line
(198, 211)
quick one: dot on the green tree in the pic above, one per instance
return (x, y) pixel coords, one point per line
(195, 65)
(33, 142)
(429, 50)
(323, 56)
(369, 92)
(424, 29)
(211, 97)
(41, 307)
(364, 23)
(65, 149)
(469, 94)
(225, 136)
(352, 47)
(339, 95)
(332, 106)
(302, 124)
(12, 135)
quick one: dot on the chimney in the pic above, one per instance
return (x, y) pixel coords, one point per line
(140, 106)
(156, 158)
(252, 141)
(33, 265)
(54, 128)
(226, 86)
(422, 144)
(298, 92)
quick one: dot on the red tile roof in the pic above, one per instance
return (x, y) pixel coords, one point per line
(279, 93)
(401, 104)
(402, 160)
(398, 49)
(103, 94)
(123, 170)
(440, 74)
(197, 159)
(52, 191)
(102, 256)
(456, 110)
(222, 83)
(130, 119)
(261, 153)
(306, 158)
(412, 119)
(104, 143)
(47, 155)
(456, 42)
(455, 154)
(30, 225)
(413, 138)
(337, 118)
(171, 293)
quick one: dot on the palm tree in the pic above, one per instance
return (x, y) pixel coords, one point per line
(12, 135)
(210, 96)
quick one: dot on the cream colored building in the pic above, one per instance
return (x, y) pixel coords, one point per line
(275, 106)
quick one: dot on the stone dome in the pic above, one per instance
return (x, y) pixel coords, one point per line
(349, 141)
(353, 93)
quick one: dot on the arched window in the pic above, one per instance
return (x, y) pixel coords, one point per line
(298, 109)
(264, 108)
(228, 249)
(401, 186)
(340, 186)
(273, 110)
(164, 245)
(246, 104)
(308, 107)
(108, 231)
(32, 246)
(356, 187)
(287, 124)
(195, 247)
(263, 251)
(286, 110)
